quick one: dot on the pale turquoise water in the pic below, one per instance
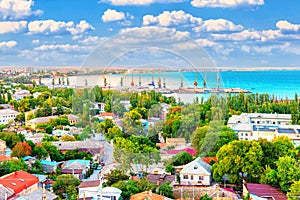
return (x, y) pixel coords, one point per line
(281, 83)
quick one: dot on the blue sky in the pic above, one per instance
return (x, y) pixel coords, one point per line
(233, 33)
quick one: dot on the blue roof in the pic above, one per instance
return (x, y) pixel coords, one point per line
(84, 162)
(27, 158)
(46, 162)
(41, 177)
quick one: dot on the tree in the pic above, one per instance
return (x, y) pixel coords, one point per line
(287, 172)
(86, 133)
(205, 197)
(166, 190)
(239, 159)
(113, 133)
(21, 149)
(7, 167)
(182, 158)
(294, 191)
(67, 138)
(131, 123)
(40, 152)
(66, 184)
(53, 152)
(170, 168)
(115, 176)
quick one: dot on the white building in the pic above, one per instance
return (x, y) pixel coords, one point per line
(20, 94)
(254, 126)
(7, 115)
(259, 118)
(196, 172)
(92, 189)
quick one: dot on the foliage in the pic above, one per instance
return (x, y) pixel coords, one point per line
(86, 133)
(39, 151)
(132, 187)
(132, 124)
(53, 152)
(7, 167)
(170, 168)
(21, 149)
(115, 176)
(75, 154)
(287, 172)
(205, 197)
(67, 138)
(11, 139)
(294, 191)
(182, 158)
(239, 159)
(66, 184)
(166, 190)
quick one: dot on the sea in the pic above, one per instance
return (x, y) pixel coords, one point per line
(280, 83)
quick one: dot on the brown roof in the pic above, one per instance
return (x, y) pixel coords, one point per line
(160, 178)
(94, 183)
(147, 195)
(264, 190)
(106, 114)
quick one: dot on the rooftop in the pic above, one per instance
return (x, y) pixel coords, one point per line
(264, 190)
(197, 166)
(94, 183)
(18, 181)
(8, 112)
(147, 195)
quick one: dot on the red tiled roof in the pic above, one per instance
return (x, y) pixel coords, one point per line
(208, 159)
(106, 114)
(94, 183)
(146, 195)
(18, 181)
(5, 158)
(192, 152)
(264, 190)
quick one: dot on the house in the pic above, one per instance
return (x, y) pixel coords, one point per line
(219, 193)
(263, 191)
(196, 172)
(5, 106)
(148, 195)
(35, 138)
(73, 119)
(5, 193)
(38, 194)
(89, 188)
(2, 147)
(98, 106)
(5, 158)
(49, 166)
(159, 179)
(106, 115)
(20, 182)
(20, 94)
(109, 193)
(7, 115)
(78, 168)
(175, 142)
(40, 120)
(192, 152)
(94, 147)
(29, 160)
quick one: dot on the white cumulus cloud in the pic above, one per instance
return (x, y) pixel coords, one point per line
(168, 18)
(112, 15)
(216, 25)
(12, 26)
(61, 47)
(8, 44)
(138, 2)
(226, 3)
(51, 26)
(17, 9)
(287, 26)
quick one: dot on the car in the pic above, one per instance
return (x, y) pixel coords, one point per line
(102, 164)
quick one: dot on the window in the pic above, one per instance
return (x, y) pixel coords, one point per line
(273, 122)
(201, 178)
(192, 177)
(241, 134)
(185, 177)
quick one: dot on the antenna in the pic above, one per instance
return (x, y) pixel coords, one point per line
(196, 80)
(204, 81)
(140, 80)
(132, 82)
